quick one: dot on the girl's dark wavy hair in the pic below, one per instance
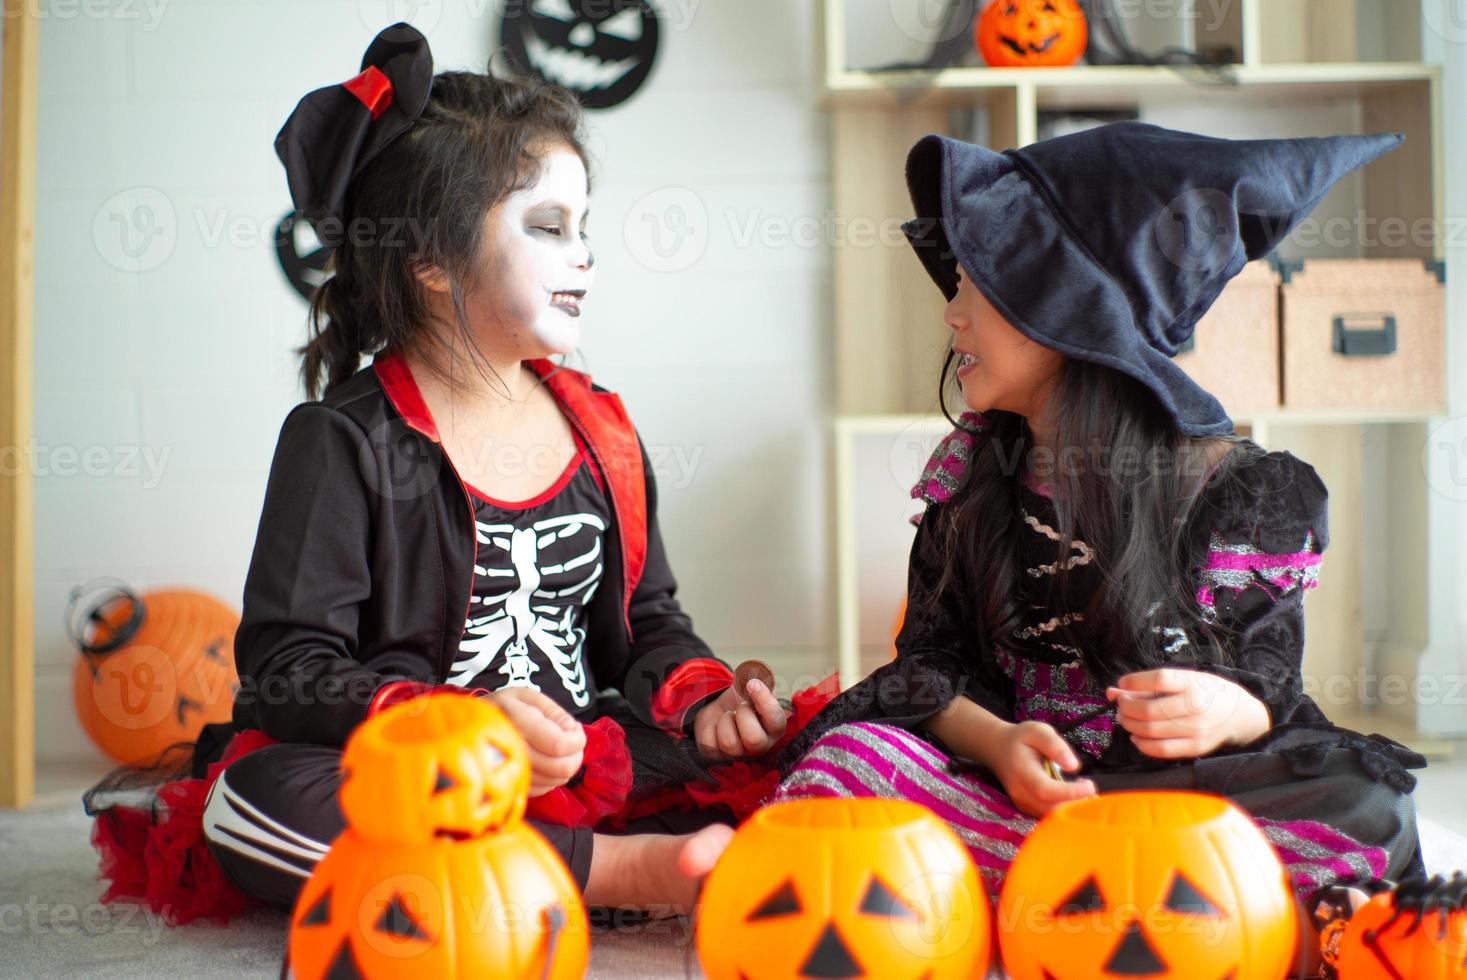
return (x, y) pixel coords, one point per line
(422, 203)
(1135, 506)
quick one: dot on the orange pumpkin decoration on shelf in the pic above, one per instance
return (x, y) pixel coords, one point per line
(1156, 884)
(1417, 930)
(153, 670)
(449, 882)
(447, 766)
(1031, 33)
(827, 887)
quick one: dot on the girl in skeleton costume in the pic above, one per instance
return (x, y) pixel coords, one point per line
(461, 514)
(1106, 585)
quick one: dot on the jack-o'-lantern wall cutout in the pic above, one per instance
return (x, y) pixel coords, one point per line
(1147, 884)
(154, 668)
(440, 766)
(1031, 33)
(1418, 930)
(492, 906)
(844, 888)
(302, 256)
(602, 50)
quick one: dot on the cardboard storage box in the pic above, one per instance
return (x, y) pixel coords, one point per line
(1364, 335)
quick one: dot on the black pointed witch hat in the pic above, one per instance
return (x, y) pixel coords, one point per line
(1108, 245)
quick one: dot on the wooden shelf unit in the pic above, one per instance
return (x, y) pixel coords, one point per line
(1371, 612)
(1101, 86)
(1291, 34)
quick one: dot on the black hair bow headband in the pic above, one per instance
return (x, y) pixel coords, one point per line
(336, 131)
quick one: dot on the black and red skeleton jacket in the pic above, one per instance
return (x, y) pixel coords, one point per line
(363, 565)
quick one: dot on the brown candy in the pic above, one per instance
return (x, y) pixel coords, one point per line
(749, 670)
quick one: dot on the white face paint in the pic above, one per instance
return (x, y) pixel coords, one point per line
(535, 268)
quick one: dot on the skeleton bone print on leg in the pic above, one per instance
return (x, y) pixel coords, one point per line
(539, 579)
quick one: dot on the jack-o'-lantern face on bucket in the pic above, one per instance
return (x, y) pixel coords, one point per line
(499, 905)
(844, 888)
(602, 50)
(1147, 884)
(442, 765)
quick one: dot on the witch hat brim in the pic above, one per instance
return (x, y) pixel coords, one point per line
(336, 131)
(1109, 245)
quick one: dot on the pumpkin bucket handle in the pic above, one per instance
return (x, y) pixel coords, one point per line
(554, 923)
(86, 621)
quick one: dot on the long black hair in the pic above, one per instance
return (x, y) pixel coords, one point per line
(1127, 483)
(422, 203)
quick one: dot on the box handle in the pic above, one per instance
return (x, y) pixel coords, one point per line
(1353, 338)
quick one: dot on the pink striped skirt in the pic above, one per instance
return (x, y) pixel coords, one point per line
(873, 759)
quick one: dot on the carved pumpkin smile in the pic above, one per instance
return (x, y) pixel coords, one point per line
(1024, 50)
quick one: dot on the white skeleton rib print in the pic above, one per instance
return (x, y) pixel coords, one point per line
(533, 607)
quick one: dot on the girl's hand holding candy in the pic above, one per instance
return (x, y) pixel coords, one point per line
(745, 720)
(1018, 760)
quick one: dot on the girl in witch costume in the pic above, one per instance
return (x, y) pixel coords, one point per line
(1106, 585)
(462, 515)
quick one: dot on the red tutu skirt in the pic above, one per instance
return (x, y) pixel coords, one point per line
(157, 855)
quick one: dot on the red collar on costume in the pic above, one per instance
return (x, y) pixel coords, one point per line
(603, 425)
(402, 388)
(402, 391)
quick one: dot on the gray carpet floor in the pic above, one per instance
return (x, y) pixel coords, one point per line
(51, 924)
